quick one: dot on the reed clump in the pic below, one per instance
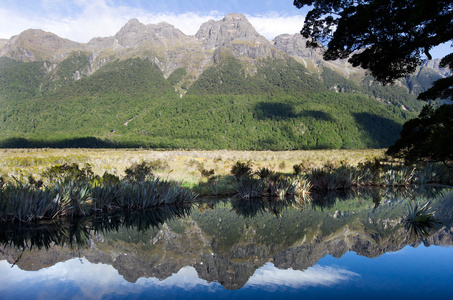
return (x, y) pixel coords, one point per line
(377, 174)
(420, 219)
(71, 191)
(266, 183)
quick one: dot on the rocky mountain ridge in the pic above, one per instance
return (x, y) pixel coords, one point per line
(282, 92)
(171, 49)
(228, 249)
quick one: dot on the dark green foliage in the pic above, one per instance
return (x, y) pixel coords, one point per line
(101, 104)
(69, 194)
(420, 219)
(74, 67)
(393, 36)
(6, 62)
(177, 76)
(22, 80)
(108, 178)
(264, 173)
(250, 188)
(442, 88)
(138, 172)
(297, 169)
(241, 169)
(323, 179)
(382, 29)
(334, 81)
(82, 142)
(130, 104)
(272, 76)
(206, 173)
(428, 137)
(69, 172)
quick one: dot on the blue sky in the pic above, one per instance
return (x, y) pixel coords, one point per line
(81, 20)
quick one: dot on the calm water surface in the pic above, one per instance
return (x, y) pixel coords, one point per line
(349, 247)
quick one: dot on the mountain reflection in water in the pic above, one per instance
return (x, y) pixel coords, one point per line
(214, 246)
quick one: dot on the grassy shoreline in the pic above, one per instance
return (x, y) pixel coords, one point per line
(50, 183)
(183, 165)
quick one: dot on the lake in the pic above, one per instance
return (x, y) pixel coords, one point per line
(343, 246)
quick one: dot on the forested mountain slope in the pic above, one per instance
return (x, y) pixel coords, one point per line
(225, 87)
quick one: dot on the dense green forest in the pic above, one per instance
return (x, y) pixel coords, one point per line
(129, 103)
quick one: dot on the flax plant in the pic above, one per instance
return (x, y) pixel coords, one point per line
(420, 219)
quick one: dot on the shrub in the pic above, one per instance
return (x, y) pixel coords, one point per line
(340, 178)
(250, 188)
(138, 172)
(158, 164)
(303, 167)
(264, 173)
(297, 169)
(206, 173)
(241, 169)
(108, 178)
(67, 171)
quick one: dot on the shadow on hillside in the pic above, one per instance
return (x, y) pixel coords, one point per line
(380, 131)
(82, 142)
(279, 110)
(265, 110)
(316, 114)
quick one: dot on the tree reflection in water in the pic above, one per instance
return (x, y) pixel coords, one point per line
(227, 240)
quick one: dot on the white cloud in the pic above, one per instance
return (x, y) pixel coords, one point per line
(96, 18)
(271, 278)
(85, 281)
(85, 276)
(273, 24)
(188, 23)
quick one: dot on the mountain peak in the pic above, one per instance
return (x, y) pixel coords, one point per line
(232, 27)
(37, 44)
(296, 45)
(235, 17)
(134, 33)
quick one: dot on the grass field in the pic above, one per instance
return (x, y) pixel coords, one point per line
(183, 165)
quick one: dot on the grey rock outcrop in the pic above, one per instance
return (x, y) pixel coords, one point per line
(296, 45)
(234, 27)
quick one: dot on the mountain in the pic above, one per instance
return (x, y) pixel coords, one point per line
(225, 87)
(227, 242)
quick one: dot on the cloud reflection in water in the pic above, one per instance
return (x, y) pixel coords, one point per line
(271, 278)
(97, 280)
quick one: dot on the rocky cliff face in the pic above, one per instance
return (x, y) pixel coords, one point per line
(171, 49)
(161, 253)
(134, 33)
(233, 28)
(296, 45)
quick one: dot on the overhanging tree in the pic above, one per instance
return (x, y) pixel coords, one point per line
(390, 38)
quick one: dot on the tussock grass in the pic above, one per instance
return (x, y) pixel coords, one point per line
(129, 178)
(179, 164)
